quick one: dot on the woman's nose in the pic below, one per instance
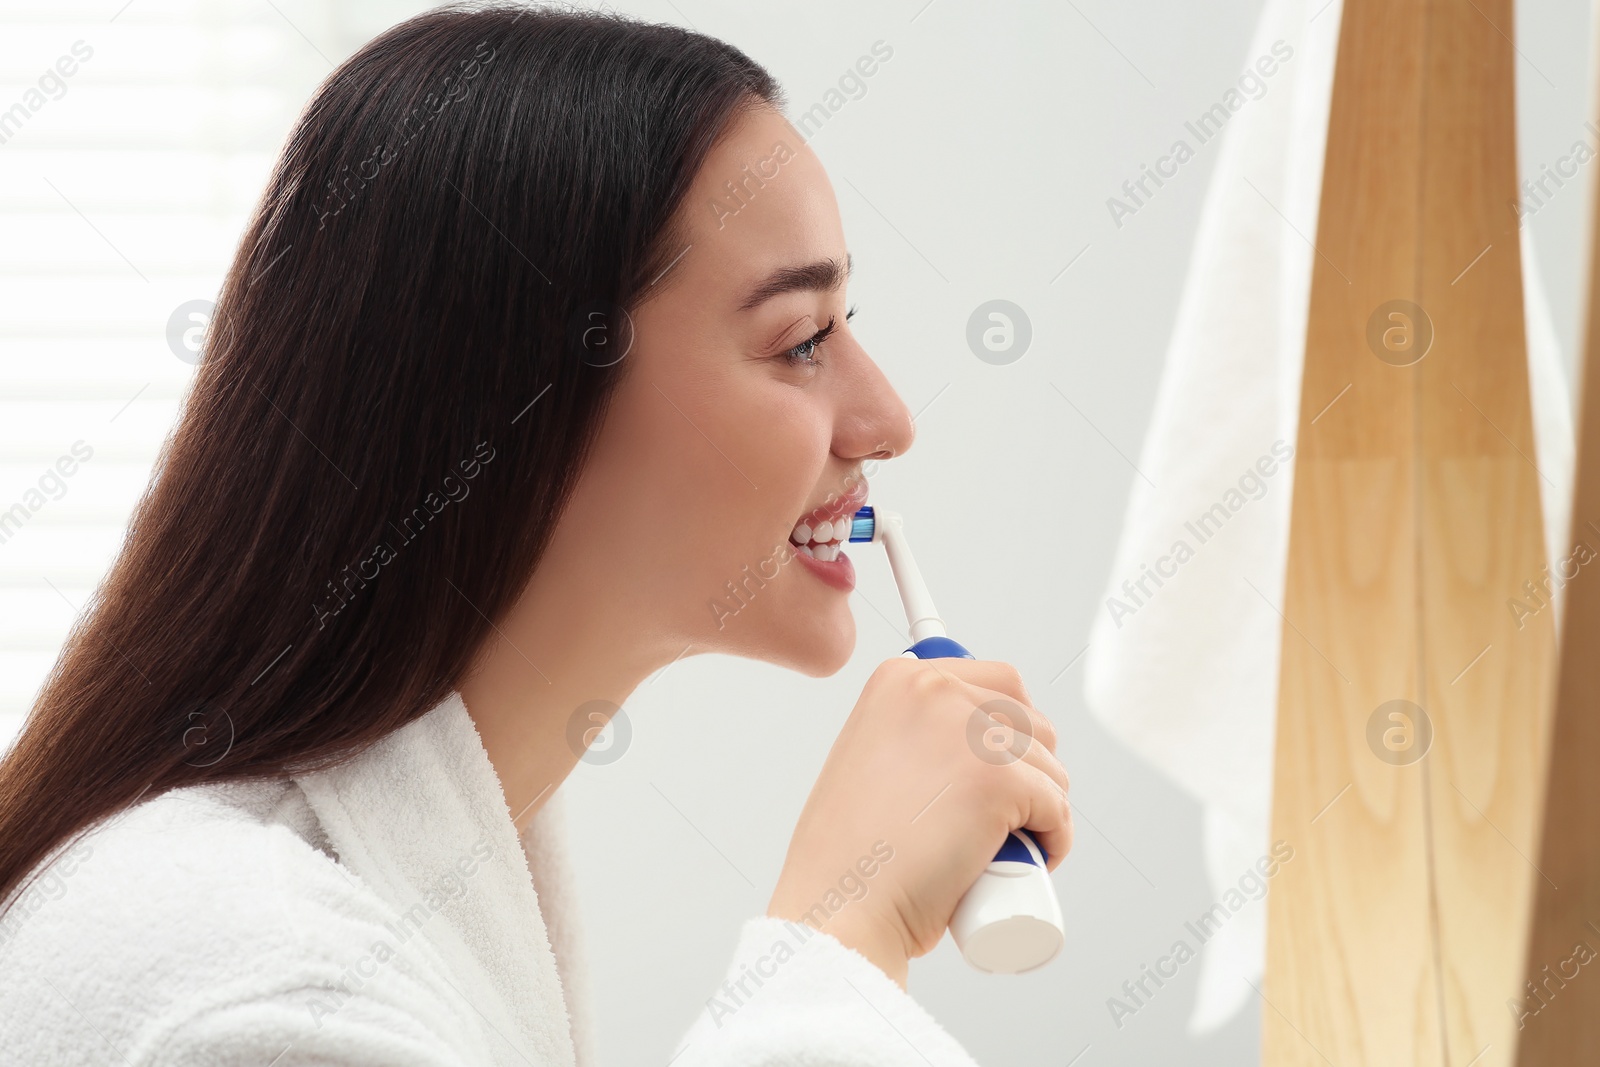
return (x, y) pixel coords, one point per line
(873, 422)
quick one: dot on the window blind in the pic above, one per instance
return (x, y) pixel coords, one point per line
(135, 138)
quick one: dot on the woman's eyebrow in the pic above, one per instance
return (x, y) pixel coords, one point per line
(822, 275)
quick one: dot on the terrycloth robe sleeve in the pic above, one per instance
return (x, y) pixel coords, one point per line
(275, 1031)
(798, 997)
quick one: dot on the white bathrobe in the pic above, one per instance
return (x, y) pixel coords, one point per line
(383, 913)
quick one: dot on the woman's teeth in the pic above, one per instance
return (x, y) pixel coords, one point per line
(821, 541)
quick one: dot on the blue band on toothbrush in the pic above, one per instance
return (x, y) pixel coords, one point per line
(939, 648)
(1015, 850)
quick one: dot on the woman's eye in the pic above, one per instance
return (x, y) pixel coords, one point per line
(804, 353)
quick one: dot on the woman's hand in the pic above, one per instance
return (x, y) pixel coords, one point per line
(939, 760)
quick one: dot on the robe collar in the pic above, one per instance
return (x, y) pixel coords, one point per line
(421, 819)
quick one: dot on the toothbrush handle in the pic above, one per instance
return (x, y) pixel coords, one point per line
(1009, 921)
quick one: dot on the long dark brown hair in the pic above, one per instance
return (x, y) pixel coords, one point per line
(405, 368)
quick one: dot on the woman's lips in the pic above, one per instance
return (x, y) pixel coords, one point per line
(838, 572)
(819, 538)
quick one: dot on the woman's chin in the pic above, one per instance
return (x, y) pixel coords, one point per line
(815, 645)
(827, 648)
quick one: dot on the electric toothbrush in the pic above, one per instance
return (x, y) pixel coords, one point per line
(1010, 920)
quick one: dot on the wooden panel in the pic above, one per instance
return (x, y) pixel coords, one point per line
(1394, 935)
(1486, 671)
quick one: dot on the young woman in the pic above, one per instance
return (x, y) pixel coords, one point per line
(537, 341)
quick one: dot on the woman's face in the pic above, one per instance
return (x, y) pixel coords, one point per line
(729, 428)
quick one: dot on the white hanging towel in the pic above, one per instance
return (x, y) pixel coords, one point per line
(1185, 672)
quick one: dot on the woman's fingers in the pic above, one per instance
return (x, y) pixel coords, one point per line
(996, 687)
(1048, 814)
(1005, 730)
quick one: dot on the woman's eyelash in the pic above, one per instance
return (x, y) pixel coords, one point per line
(804, 352)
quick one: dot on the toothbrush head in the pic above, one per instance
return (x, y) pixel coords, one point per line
(873, 524)
(862, 526)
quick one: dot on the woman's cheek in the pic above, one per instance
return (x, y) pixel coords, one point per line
(789, 433)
